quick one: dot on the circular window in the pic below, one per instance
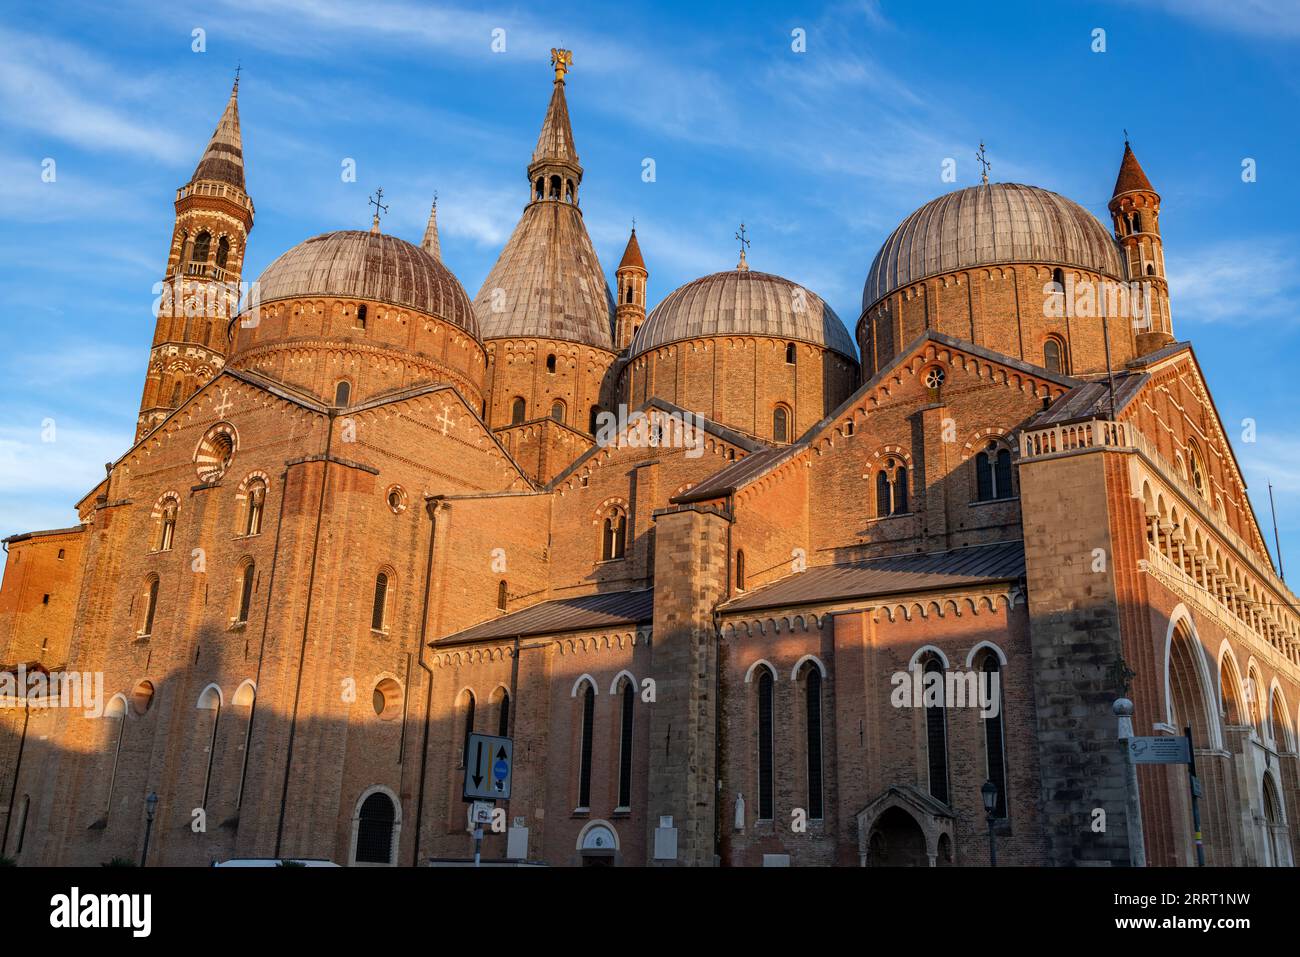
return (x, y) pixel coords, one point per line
(142, 697)
(387, 699)
(934, 377)
(215, 452)
(397, 499)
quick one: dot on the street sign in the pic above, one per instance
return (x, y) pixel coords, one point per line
(1161, 749)
(488, 765)
(480, 813)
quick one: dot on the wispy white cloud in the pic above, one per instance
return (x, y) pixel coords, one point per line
(1235, 281)
(1271, 19)
(62, 91)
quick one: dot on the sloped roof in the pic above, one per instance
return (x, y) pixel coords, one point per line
(896, 575)
(1091, 399)
(632, 253)
(223, 159)
(737, 474)
(1131, 177)
(547, 282)
(555, 142)
(580, 613)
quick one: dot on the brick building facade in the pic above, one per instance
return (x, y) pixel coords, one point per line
(703, 567)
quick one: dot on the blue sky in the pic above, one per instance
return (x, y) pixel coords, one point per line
(821, 153)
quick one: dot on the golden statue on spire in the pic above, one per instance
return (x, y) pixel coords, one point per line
(562, 60)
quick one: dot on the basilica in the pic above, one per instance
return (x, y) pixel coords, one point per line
(682, 557)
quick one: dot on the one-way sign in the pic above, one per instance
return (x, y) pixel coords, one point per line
(488, 764)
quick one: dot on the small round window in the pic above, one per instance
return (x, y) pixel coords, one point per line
(397, 499)
(215, 452)
(387, 699)
(934, 377)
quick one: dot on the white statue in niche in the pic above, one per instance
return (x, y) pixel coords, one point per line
(740, 812)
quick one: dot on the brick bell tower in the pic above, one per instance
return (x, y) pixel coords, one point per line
(1135, 210)
(630, 277)
(200, 289)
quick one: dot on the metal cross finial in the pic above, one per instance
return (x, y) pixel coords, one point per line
(743, 241)
(238, 67)
(377, 202)
(1126, 137)
(985, 165)
(633, 224)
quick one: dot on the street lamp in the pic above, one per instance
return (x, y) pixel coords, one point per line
(989, 792)
(150, 805)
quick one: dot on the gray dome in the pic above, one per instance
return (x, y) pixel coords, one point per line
(989, 224)
(743, 303)
(354, 264)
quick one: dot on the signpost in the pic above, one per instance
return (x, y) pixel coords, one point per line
(1163, 749)
(489, 764)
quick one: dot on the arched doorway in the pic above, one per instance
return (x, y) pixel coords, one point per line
(598, 845)
(1276, 840)
(896, 841)
(375, 826)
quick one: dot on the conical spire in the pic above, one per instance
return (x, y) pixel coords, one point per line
(1131, 177)
(555, 143)
(223, 160)
(632, 254)
(430, 244)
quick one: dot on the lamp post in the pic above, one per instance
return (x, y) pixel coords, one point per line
(150, 805)
(989, 793)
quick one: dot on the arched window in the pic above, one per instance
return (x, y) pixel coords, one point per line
(150, 607)
(765, 755)
(209, 700)
(995, 754)
(1196, 470)
(517, 410)
(936, 730)
(550, 362)
(568, 190)
(780, 424)
(361, 316)
(223, 252)
(503, 716)
(168, 533)
(1058, 277)
(245, 593)
(202, 247)
(555, 187)
(629, 293)
(540, 188)
(813, 726)
(992, 473)
(342, 393)
(557, 410)
(740, 569)
(891, 489)
(256, 506)
(614, 536)
(468, 729)
(593, 421)
(1137, 222)
(584, 757)
(627, 704)
(379, 610)
(176, 393)
(790, 355)
(1053, 354)
(375, 824)
(501, 595)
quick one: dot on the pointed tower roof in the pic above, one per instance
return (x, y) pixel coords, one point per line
(632, 254)
(555, 142)
(430, 244)
(548, 282)
(1131, 177)
(223, 160)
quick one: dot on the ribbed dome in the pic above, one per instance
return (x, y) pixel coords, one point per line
(743, 302)
(355, 264)
(988, 224)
